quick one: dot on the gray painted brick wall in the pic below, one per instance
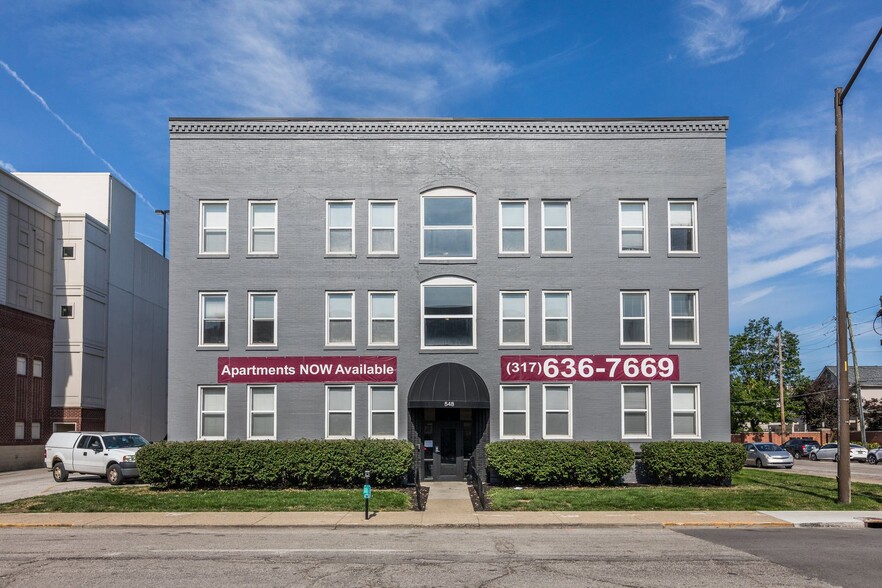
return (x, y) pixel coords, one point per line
(308, 162)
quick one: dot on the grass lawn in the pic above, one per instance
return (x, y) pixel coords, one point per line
(751, 490)
(142, 499)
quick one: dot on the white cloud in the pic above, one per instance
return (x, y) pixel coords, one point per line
(717, 29)
(7, 166)
(851, 263)
(753, 296)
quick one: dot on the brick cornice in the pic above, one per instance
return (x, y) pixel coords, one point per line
(431, 128)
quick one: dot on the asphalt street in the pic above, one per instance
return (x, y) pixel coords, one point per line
(439, 557)
(860, 472)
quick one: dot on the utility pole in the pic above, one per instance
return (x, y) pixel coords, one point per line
(857, 383)
(781, 384)
(844, 466)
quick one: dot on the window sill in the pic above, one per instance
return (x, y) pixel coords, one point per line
(515, 347)
(213, 256)
(558, 437)
(683, 254)
(514, 255)
(212, 348)
(262, 256)
(685, 436)
(433, 261)
(636, 438)
(262, 348)
(635, 346)
(556, 346)
(340, 255)
(685, 346)
(389, 347)
(382, 256)
(553, 255)
(636, 254)
(340, 348)
(513, 437)
(451, 350)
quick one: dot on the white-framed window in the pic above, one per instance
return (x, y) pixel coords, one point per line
(67, 311)
(383, 312)
(213, 227)
(339, 409)
(635, 318)
(514, 412)
(263, 225)
(555, 226)
(19, 430)
(684, 317)
(213, 319)
(513, 227)
(557, 418)
(261, 412)
(383, 221)
(340, 323)
(448, 313)
(636, 421)
(341, 228)
(262, 313)
(35, 431)
(514, 318)
(633, 234)
(38, 368)
(447, 224)
(682, 225)
(557, 328)
(685, 421)
(383, 408)
(212, 412)
(21, 365)
(69, 251)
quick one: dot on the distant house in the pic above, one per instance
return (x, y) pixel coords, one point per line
(871, 380)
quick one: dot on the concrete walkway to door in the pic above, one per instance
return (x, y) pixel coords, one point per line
(448, 502)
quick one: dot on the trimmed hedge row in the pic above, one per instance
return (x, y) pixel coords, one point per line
(560, 463)
(692, 462)
(274, 464)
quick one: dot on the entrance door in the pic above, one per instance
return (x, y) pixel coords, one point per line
(449, 463)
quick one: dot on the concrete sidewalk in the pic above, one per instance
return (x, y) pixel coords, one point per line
(337, 520)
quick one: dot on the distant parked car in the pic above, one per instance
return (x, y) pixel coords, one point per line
(800, 448)
(764, 455)
(831, 451)
(874, 455)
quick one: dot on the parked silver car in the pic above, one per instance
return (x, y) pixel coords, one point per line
(765, 455)
(831, 451)
(874, 455)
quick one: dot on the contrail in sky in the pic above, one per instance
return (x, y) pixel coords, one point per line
(88, 147)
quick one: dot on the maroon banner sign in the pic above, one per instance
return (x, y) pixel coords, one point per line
(590, 368)
(349, 368)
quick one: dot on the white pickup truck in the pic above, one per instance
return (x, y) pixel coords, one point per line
(106, 454)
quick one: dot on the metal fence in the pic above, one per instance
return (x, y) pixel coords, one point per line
(477, 482)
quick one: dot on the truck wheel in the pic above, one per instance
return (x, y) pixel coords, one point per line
(114, 475)
(59, 472)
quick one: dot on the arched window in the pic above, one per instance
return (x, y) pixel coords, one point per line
(448, 313)
(447, 224)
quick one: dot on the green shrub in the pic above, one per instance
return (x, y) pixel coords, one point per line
(274, 464)
(560, 463)
(692, 462)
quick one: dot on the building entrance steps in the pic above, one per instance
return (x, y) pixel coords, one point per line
(448, 498)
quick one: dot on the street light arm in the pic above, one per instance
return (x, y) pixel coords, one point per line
(859, 67)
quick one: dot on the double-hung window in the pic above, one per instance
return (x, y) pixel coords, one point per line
(38, 368)
(213, 319)
(383, 403)
(513, 229)
(214, 227)
(383, 309)
(684, 318)
(384, 227)
(262, 227)
(635, 318)
(635, 411)
(262, 324)
(684, 410)
(555, 227)
(212, 412)
(633, 236)
(681, 226)
(448, 224)
(557, 327)
(448, 317)
(340, 323)
(514, 406)
(341, 229)
(513, 318)
(557, 401)
(21, 365)
(339, 402)
(262, 412)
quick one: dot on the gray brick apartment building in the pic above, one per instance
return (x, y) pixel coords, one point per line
(448, 281)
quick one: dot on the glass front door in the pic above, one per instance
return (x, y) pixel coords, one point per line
(449, 462)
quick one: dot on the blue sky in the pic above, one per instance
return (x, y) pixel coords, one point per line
(87, 85)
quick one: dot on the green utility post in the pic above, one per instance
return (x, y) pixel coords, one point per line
(367, 493)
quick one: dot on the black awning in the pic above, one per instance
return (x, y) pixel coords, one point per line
(448, 385)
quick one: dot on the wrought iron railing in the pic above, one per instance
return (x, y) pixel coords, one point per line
(477, 482)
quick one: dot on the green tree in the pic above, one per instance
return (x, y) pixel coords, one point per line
(753, 374)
